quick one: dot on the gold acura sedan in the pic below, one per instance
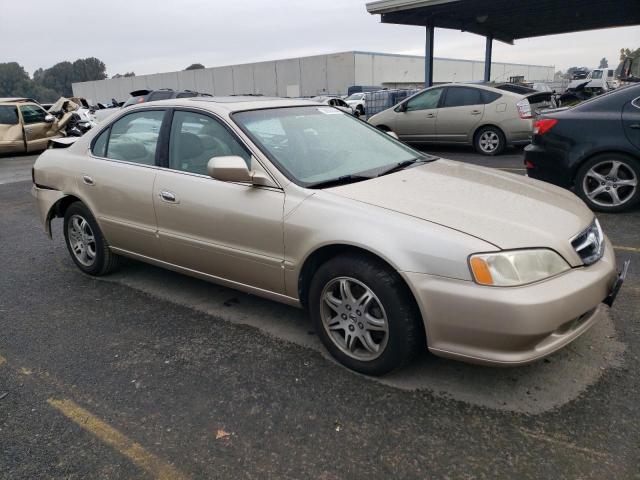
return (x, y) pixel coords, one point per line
(387, 248)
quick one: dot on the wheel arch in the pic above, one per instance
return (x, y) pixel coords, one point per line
(484, 125)
(59, 208)
(383, 127)
(325, 253)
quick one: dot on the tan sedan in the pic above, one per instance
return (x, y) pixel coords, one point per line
(303, 204)
(488, 118)
(25, 126)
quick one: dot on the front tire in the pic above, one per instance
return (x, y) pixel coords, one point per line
(489, 141)
(364, 314)
(87, 246)
(609, 182)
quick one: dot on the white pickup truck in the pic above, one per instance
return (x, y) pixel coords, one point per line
(602, 78)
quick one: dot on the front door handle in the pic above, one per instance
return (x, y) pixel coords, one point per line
(27, 130)
(87, 180)
(476, 112)
(635, 126)
(431, 115)
(168, 197)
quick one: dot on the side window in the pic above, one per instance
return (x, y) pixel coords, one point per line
(8, 115)
(462, 96)
(100, 144)
(134, 137)
(425, 101)
(160, 95)
(489, 97)
(196, 138)
(32, 114)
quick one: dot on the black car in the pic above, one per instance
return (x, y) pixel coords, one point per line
(140, 96)
(593, 148)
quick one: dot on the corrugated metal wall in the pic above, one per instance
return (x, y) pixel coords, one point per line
(308, 76)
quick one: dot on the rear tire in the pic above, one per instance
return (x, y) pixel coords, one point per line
(87, 246)
(489, 141)
(609, 182)
(364, 314)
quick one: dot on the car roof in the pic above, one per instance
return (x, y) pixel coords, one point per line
(481, 87)
(232, 103)
(16, 100)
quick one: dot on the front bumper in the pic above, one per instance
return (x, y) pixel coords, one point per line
(514, 325)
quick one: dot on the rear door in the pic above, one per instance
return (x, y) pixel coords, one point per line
(11, 134)
(37, 131)
(631, 122)
(116, 181)
(460, 114)
(418, 121)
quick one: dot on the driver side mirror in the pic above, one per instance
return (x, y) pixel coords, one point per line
(233, 168)
(49, 118)
(401, 108)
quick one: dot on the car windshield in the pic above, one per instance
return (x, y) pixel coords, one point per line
(314, 145)
(596, 74)
(356, 96)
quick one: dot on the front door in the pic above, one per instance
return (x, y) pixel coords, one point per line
(460, 114)
(232, 231)
(37, 131)
(418, 120)
(116, 181)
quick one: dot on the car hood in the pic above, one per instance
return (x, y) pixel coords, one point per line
(505, 209)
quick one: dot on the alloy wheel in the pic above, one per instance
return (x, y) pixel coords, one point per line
(354, 318)
(489, 141)
(82, 240)
(610, 183)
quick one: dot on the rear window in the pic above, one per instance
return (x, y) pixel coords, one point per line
(462, 96)
(186, 95)
(488, 97)
(160, 95)
(8, 115)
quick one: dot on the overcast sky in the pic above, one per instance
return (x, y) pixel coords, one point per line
(148, 36)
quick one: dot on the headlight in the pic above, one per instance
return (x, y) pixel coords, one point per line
(516, 267)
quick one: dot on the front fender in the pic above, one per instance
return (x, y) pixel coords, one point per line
(46, 202)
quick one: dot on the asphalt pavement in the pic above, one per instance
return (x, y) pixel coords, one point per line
(150, 374)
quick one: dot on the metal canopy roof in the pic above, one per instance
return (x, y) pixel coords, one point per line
(508, 20)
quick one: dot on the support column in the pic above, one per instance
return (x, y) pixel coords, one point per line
(487, 59)
(428, 58)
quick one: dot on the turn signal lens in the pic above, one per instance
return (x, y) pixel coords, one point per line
(481, 271)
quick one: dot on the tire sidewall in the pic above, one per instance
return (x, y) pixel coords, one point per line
(81, 210)
(501, 146)
(586, 166)
(398, 307)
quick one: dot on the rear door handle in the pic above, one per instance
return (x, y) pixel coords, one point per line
(168, 197)
(87, 180)
(635, 126)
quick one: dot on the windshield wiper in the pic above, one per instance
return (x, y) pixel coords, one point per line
(404, 164)
(343, 180)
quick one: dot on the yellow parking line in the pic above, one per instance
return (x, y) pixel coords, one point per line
(109, 435)
(627, 249)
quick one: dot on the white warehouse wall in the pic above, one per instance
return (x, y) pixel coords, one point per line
(308, 76)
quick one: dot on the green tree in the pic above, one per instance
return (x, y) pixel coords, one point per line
(126, 74)
(15, 82)
(60, 77)
(604, 63)
(195, 66)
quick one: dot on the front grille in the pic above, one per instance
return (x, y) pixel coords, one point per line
(589, 244)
